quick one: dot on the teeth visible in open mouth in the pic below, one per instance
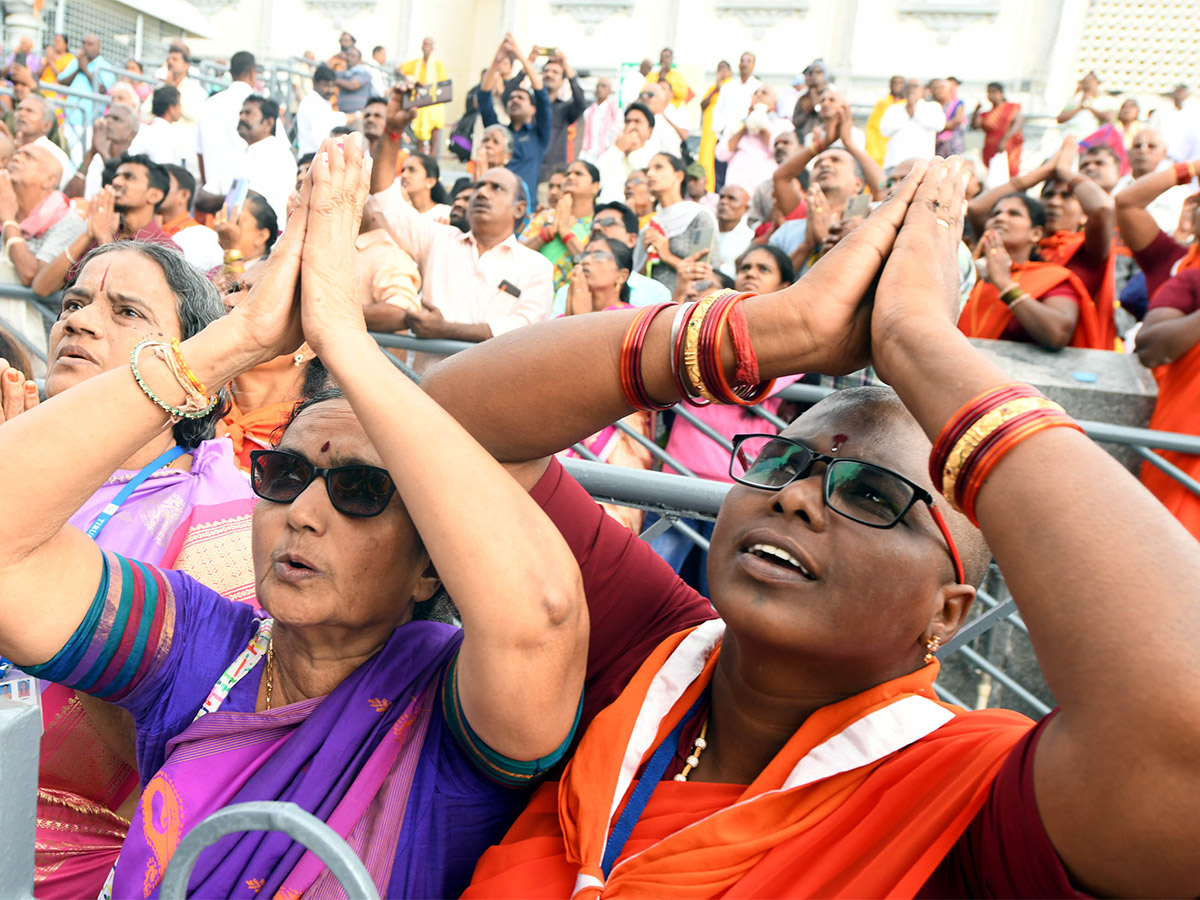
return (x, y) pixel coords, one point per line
(770, 551)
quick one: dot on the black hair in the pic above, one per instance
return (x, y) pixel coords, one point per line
(997, 85)
(462, 185)
(180, 48)
(787, 271)
(264, 217)
(726, 281)
(592, 171)
(338, 130)
(623, 257)
(1035, 210)
(242, 63)
(676, 163)
(266, 106)
(14, 351)
(377, 48)
(306, 159)
(628, 217)
(376, 99)
(155, 174)
(164, 98)
(185, 180)
(643, 109)
(1102, 148)
(437, 193)
(324, 73)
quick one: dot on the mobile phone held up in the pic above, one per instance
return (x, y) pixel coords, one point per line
(858, 205)
(429, 95)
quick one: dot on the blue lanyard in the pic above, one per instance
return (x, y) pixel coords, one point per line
(107, 513)
(651, 776)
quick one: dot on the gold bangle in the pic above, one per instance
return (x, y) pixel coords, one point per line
(691, 348)
(233, 255)
(978, 432)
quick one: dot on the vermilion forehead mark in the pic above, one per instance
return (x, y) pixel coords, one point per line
(104, 277)
(325, 446)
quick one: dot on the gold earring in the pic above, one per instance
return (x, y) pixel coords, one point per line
(931, 647)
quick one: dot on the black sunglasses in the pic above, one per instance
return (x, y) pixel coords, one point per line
(357, 491)
(854, 488)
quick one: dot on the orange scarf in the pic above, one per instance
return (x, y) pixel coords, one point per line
(1177, 410)
(871, 793)
(986, 316)
(1191, 259)
(253, 431)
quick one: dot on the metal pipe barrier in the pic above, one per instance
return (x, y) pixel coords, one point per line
(269, 815)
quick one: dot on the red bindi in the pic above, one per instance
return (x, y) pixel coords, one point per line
(838, 440)
(325, 446)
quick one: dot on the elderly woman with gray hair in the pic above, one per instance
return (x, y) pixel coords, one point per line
(178, 502)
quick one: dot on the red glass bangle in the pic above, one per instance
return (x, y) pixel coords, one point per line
(746, 369)
(1183, 173)
(977, 406)
(633, 385)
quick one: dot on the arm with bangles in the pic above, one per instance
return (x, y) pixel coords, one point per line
(1116, 775)
(1051, 319)
(1137, 226)
(818, 324)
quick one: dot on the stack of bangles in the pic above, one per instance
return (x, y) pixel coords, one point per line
(982, 432)
(697, 333)
(198, 404)
(1013, 295)
(1185, 172)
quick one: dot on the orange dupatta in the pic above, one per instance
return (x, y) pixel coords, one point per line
(254, 430)
(1176, 410)
(986, 316)
(871, 793)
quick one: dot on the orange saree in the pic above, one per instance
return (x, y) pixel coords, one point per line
(849, 795)
(986, 316)
(1178, 401)
(254, 430)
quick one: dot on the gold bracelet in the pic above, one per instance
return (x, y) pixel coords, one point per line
(978, 432)
(691, 348)
(233, 255)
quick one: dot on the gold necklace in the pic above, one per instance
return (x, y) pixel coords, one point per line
(270, 661)
(694, 759)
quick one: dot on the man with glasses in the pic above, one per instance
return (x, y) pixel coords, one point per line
(618, 222)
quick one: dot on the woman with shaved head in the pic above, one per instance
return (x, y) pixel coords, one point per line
(795, 746)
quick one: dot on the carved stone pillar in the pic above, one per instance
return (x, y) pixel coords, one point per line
(20, 21)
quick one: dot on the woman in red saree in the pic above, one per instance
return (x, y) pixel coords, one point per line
(1001, 126)
(1077, 233)
(821, 765)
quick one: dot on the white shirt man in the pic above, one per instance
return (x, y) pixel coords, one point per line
(733, 100)
(316, 117)
(1180, 129)
(217, 139)
(911, 134)
(159, 141)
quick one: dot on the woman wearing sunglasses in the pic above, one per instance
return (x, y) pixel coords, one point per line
(796, 747)
(176, 501)
(331, 697)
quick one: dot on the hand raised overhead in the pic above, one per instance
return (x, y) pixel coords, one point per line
(341, 179)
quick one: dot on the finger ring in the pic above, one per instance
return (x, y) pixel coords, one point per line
(944, 223)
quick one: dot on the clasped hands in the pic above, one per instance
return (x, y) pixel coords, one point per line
(908, 250)
(308, 287)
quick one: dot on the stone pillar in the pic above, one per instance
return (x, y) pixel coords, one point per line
(20, 21)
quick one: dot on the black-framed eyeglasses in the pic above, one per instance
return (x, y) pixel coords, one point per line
(853, 488)
(357, 491)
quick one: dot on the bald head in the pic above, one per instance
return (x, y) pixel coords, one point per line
(35, 168)
(1146, 152)
(874, 417)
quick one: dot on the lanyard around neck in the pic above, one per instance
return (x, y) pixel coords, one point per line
(149, 469)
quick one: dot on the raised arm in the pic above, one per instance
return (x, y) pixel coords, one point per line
(817, 324)
(873, 174)
(520, 670)
(787, 190)
(1097, 203)
(980, 208)
(1167, 333)
(1116, 773)
(1138, 228)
